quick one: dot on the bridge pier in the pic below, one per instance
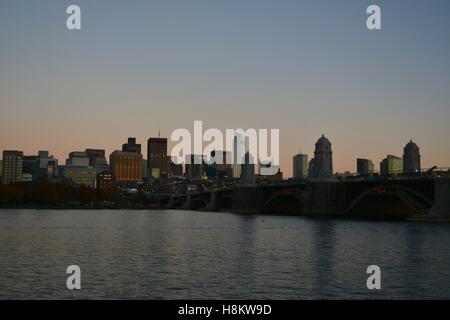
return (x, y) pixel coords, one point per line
(172, 203)
(325, 198)
(188, 205)
(247, 199)
(215, 203)
(441, 204)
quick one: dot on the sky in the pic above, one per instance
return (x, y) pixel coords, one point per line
(305, 67)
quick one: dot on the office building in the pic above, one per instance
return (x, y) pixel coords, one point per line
(221, 167)
(131, 146)
(144, 168)
(157, 160)
(126, 167)
(411, 158)
(311, 172)
(194, 167)
(391, 165)
(238, 155)
(30, 165)
(79, 176)
(97, 160)
(104, 180)
(48, 165)
(175, 170)
(248, 171)
(27, 177)
(300, 166)
(12, 166)
(78, 159)
(364, 167)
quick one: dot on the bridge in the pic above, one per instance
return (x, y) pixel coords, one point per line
(394, 198)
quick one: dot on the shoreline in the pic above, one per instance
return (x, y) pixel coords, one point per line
(433, 218)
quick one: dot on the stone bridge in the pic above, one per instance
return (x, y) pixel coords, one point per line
(397, 198)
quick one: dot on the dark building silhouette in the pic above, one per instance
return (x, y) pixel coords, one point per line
(175, 169)
(31, 165)
(48, 165)
(194, 167)
(311, 168)
(248, 171)
(322, 164)
(97, 160)
(411, 158)
(364, 166)
(104, 180)
(222, 167)
(131, 146)
(157, 160)
(77, 159)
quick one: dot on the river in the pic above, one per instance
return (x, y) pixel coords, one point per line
(139, 254)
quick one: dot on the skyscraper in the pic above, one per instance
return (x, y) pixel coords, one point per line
(238, 155)
(391, 165)
(323, 160)
(175, 169)
(248, 171)
(311, 172)
(30, 165)
(126, 167)
(97, 160)
(411, 158)
(300, 166)
(157, 160)
(364, 166)
(12, 166)
(78, 159)
(131, 146)
(194, 167)
(218, 165)
(48, 165)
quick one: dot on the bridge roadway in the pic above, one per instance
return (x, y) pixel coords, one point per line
(396, 198)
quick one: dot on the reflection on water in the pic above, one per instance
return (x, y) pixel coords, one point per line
(185, 254)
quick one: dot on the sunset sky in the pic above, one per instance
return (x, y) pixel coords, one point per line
(305, 67)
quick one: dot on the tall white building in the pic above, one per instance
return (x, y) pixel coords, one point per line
(300, 166)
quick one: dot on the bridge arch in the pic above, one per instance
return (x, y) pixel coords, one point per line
(403, 200)
(288, 201)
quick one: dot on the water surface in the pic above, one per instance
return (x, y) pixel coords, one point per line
(128, 254)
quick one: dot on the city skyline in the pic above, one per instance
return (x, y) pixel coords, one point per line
(410, 150)
(307, 68)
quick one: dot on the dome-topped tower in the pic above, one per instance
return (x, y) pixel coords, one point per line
(411, 158)
(323, 143)
(323, 160)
